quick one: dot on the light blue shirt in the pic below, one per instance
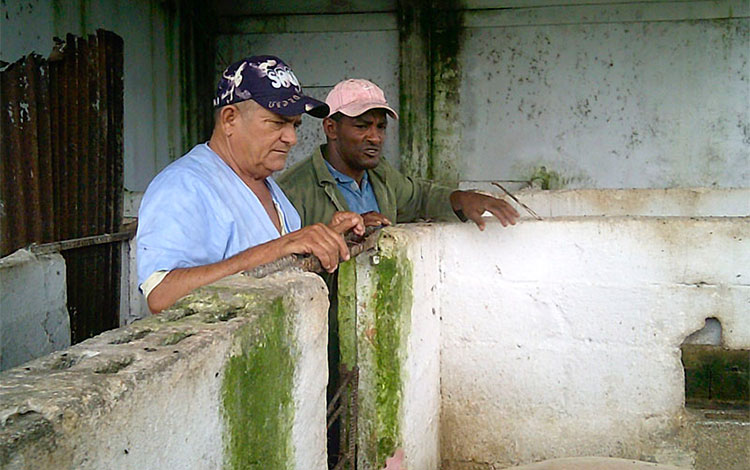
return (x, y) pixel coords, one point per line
(197, 211)
(359, 198)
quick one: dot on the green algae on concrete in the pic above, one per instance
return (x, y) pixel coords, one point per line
(347, 313)
(393, 302)
(545, 179)
(257, 394)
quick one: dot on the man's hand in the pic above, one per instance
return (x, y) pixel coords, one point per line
(323, 241)
(341, 222)
(473, 205)
(375, 219)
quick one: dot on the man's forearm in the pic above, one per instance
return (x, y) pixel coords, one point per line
(180, 282)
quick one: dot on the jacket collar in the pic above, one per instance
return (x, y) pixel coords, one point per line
(326, 180)
(321, 170)
(376, 176)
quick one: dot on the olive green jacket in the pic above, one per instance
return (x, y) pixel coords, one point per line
(313, 191)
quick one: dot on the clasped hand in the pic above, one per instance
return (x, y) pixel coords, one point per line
(326, 242)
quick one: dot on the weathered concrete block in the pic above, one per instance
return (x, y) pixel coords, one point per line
(33, 307)
(231, 377)
(398, 349)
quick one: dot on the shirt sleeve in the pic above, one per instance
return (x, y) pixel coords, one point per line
(419, 199)
(182, 223)
(152, 281)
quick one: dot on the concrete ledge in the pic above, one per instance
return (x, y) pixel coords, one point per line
(677, 202)
(230, 375)
(594, 463)
(34, 317)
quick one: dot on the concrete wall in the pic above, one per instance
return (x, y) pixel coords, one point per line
(231, 377)
(603, 94)
(565, 337)
(398, 349)
(152, 131)
(33, 307)
(677, 202)
(559, 338)
(607, 95)
(476, 350)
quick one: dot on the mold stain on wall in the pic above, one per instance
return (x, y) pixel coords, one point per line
(393, 301)
(347, 313)
(256, 394)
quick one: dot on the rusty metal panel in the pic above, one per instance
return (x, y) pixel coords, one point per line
(25, 134)
(61, 167)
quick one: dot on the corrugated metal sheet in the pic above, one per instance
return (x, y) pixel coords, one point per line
(62, 164)
(24, 92)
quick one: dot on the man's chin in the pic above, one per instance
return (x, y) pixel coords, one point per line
(277, 163)
(368, 162)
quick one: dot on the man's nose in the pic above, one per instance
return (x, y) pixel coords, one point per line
(375, 135)
(289, 135)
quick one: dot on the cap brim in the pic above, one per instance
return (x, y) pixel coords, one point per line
(306, 104)
(357, 109)
(315, 108)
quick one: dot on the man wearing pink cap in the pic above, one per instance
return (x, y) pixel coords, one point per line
(347, 173)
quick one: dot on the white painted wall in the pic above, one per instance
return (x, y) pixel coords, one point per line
(537, 87)
(33, 307)
(605, 94)
(133, 304)
(152, 133)
(422, 394)
(561, 338)
(322, 50)
(608, 95)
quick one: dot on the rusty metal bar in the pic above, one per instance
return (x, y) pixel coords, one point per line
(348, 436)
(354, 417)
(115, 114)
(337, 395)
(56, 247)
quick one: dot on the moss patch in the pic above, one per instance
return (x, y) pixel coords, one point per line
(544, 179)
(347, 313)
(257, 394)
(393, 301)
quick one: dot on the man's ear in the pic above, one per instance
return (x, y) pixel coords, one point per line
(330, 127)
(228, 116)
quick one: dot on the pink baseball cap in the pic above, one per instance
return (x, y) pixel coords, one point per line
(356, 96)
